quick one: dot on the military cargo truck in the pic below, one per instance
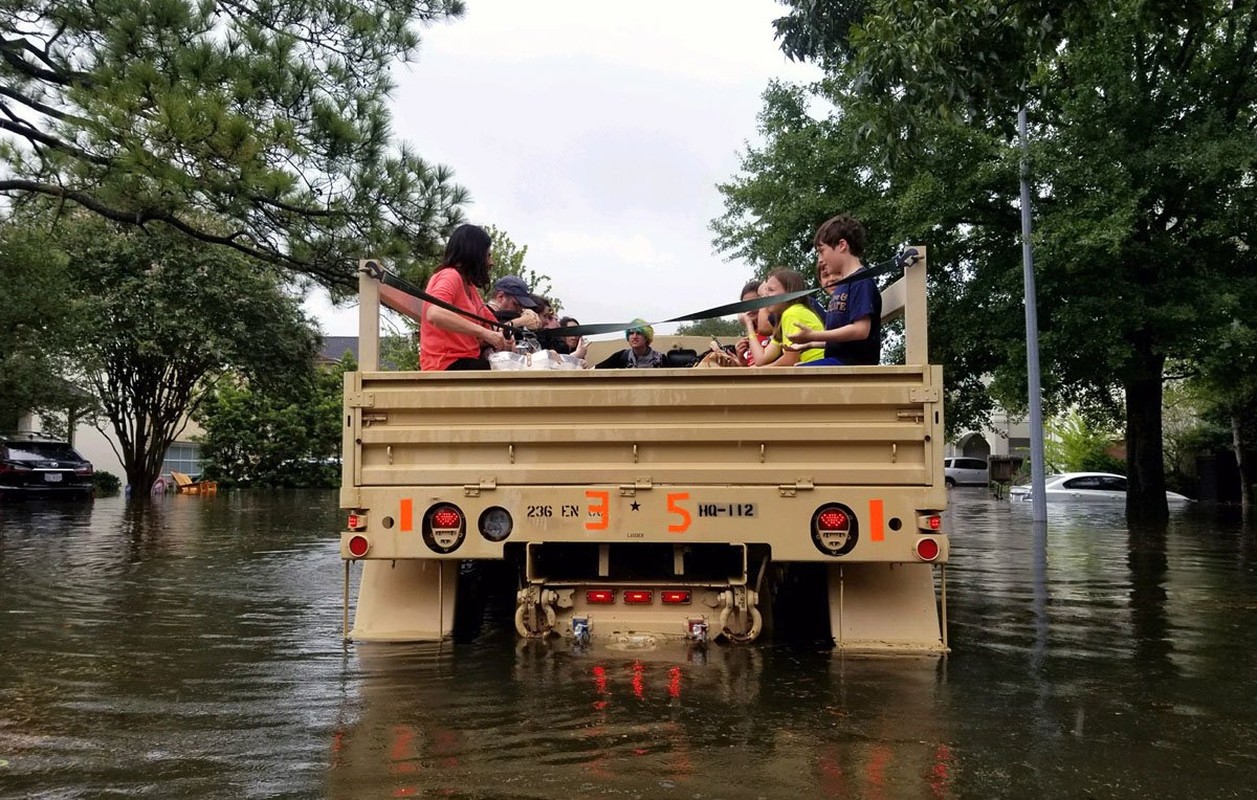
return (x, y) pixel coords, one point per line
(638, 506)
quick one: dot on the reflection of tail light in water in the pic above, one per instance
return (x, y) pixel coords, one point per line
(399, 738)
(647, 682)
(890, 725)
(883, 771)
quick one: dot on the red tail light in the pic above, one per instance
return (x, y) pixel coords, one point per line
(600, 596)
(835, 529)
(927, 549)
(84, 470)
(832, 519)
(638, 596)
(447, 517)
(358, 546)
(357, 522)
(675, 597)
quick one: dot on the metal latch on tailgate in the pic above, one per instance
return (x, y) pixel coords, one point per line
(792, 489)
(631, 489)
(474, 489)
(924, 394)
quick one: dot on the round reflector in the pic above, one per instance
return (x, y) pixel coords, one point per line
(927, 549)
(358, 546)
(495, 524)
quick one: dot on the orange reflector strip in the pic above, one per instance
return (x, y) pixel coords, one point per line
(675, 597)
(407, 516)
(877, 522)
(638, 596)
(600, 596)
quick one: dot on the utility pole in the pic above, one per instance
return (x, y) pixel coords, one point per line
(1038, 496)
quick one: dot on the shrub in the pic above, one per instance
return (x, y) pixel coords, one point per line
(107, 484)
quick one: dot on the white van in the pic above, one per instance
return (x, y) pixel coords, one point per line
(961, 471)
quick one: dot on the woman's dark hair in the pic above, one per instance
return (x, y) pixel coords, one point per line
(565, 320)
(468, 252)
(751, 287)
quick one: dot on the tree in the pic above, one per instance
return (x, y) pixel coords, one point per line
(257, 126)
(37, 329)
(1077, 444)
(719, 326)
(256, 437)
(1145, 145)
(164, 318)
(813, 165)
(1227, 387)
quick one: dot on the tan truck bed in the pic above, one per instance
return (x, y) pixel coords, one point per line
(684, 468)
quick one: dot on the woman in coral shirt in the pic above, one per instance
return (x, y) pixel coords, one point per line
(450, 341)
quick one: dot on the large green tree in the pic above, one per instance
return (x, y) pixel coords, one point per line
(264, 436)
(37, 328)
(164, 318)
(258, 126)
(1143, 122)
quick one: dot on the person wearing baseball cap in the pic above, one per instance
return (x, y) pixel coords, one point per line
(509, 298)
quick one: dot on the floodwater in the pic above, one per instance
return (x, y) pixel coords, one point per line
(193, 649)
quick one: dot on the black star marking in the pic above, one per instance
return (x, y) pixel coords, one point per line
(636, 506)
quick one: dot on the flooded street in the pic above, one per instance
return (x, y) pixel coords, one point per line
(193, 649)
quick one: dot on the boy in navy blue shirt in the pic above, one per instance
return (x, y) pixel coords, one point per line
(853, 319)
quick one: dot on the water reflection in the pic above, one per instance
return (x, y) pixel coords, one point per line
(554, 722)
(193, 649)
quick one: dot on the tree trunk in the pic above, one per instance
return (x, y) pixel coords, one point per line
(1237, 441)
(1145, 467)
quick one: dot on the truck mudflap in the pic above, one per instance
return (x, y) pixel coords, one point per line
(888, 608)
(639, 615)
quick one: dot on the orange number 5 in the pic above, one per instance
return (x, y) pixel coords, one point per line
(600, 509)
(684, 514)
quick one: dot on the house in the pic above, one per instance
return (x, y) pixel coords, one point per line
(1004, 436)
(334, 349)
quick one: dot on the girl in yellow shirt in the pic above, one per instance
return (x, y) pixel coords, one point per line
(788, 316)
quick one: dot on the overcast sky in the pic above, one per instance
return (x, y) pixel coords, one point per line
(595, 134)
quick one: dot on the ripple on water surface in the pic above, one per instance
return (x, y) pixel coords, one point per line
(192, 649)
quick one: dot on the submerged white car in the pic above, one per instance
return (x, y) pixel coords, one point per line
(1085, 487)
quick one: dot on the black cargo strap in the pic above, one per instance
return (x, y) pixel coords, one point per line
(900, 260)
(375, 270)
(903, 258)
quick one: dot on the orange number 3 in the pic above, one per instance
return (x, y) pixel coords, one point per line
(599, 509)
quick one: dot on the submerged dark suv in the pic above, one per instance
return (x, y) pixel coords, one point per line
(35, 465)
